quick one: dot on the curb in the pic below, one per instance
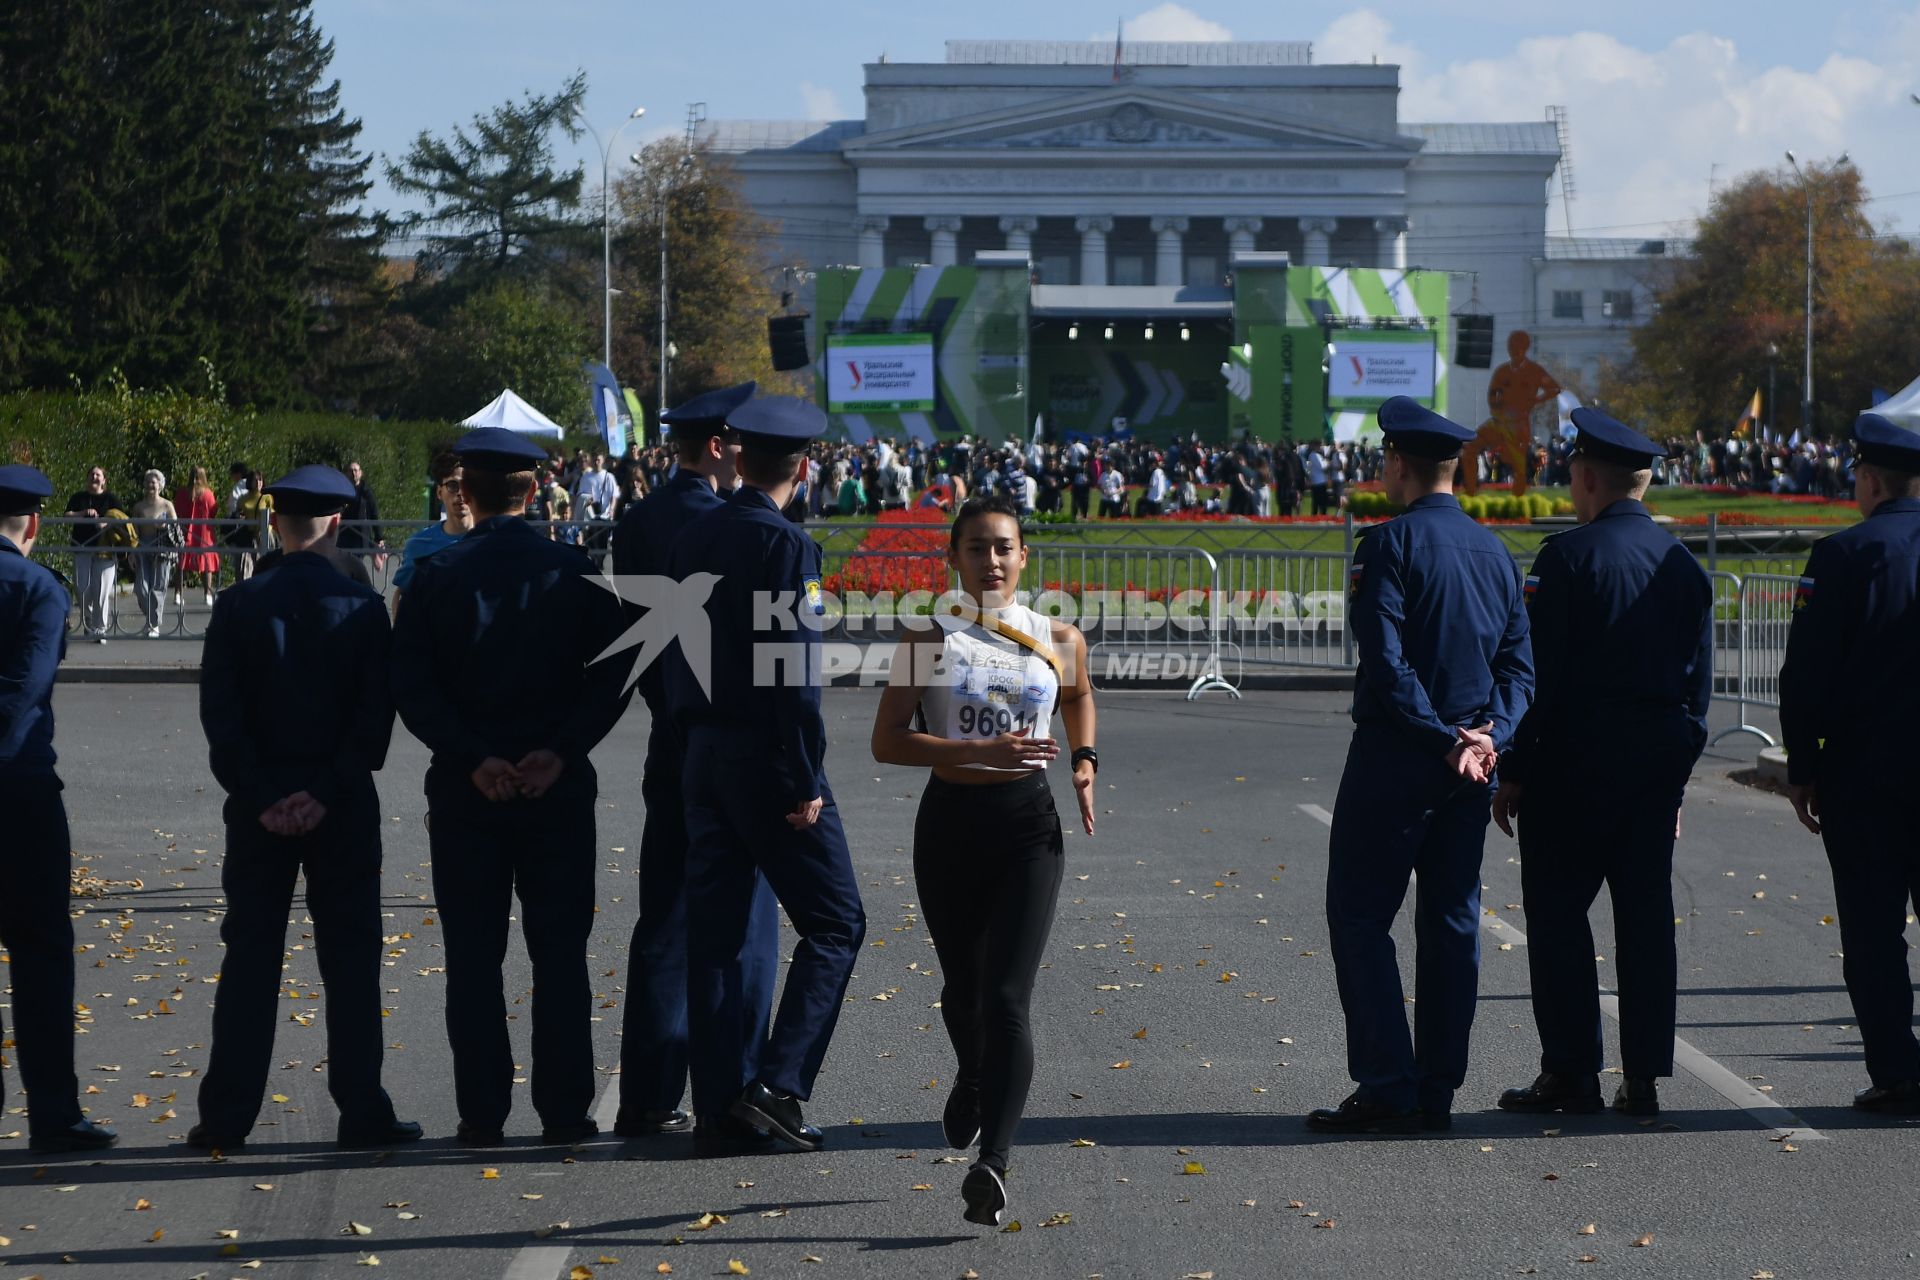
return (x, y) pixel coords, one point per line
(1772, 765)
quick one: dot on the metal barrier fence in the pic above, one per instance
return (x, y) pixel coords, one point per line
(1287, 608)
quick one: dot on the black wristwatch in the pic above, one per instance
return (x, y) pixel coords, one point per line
(1088, 754)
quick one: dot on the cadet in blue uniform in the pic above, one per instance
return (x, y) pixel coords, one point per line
(510, 792)
(756, 788)
(1622, 627)
(35, 856)
(653, 1038)
(1848, 705)
(295, 702)
(1445, 674)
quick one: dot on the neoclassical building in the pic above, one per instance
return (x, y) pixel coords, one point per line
(1131, 186)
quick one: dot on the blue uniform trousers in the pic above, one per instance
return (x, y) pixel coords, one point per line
(1866, 821)
(1400, 812)
(483, 855)
(35, 875)
(653, 1036)
(1615, 829)
(737, 833)
(342, 867)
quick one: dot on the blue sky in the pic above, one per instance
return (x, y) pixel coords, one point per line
(1660, 95)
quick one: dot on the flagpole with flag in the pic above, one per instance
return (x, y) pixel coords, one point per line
(1747, 420)
(1119, 32)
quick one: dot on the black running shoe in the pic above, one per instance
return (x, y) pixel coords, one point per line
(961, 1120)
(985, 1192)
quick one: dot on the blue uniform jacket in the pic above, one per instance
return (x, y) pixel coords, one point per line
(494, 654)
(1856, 628)
(641, 545)
(759, 554)
(1622, 630)
(294, 689)
(33, 639)
(1440, 627)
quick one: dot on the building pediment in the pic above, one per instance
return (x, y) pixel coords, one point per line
(1126, 118)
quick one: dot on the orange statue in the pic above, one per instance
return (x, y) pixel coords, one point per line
(1518, 388)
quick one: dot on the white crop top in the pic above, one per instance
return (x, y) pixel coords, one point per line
(985, 684)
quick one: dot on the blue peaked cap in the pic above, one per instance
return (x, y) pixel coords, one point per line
(1610, 440)
(1877, 440)
(710, 407)
(778, 424)
(23, 489)
(1411, 427)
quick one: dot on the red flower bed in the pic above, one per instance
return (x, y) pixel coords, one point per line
(907, 554)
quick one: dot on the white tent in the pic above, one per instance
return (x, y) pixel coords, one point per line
(1902, 407)
(510, 411)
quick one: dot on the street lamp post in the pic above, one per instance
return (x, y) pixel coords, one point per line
(606, 228)
(1773, 372)
(1806, 382)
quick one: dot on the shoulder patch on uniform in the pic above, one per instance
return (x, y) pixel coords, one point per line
(1355, 572)
(811, 585)
(1803, 594)
(1531, 585)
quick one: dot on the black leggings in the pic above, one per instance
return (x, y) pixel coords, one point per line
(988, 861)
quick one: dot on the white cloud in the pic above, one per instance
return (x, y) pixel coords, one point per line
(1169, 22)
(1363, 36)
(820, 103)
(1647, 125)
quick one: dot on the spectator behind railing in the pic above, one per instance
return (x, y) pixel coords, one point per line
(157, 525)
(93, 571)
(244, 538)
(195, 502)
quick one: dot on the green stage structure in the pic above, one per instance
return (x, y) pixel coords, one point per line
(1307, 352)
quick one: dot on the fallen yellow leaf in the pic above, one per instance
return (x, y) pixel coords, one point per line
(1587, 1230)
(158, 1233)
(1123, 1064)
(580, 1273)
(664, 1269)
(489, 1173)
(1193, 1167)
(737, 1267)
(1083, 1142)
(1641, 1242)
(143, 1203)
(281, 1097)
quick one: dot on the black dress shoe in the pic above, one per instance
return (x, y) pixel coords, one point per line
(201, 1138)
(1901, 1099)
(985, 1192)
(647, 1123)
(568, 1131)
(84, 1135)
(1638, 1096)
(474, 1135)
(960, 1122)
(719, 1136)
(1551, 1091)
(370, 1137)
(1362, 1115)
(779, 1114)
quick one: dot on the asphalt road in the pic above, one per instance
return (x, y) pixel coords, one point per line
(1187, 1018)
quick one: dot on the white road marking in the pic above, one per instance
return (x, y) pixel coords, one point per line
(1771, 1115)
(538, 1262)
(549, 1261)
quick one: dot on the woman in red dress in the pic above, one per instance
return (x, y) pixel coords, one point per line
(197, 503)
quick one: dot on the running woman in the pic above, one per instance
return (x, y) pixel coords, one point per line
(974, 699)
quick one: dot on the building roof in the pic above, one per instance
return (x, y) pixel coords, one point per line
(734, 137)
(1531, 137)
(1132, 53)
(1614, 248)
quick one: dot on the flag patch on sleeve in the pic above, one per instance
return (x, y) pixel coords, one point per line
(1531, 585)
(1354, 574)
(1803, 594)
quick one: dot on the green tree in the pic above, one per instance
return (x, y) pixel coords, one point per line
(494, 201)
(185, 188)
(1698, 361)
(720, 285)
(511, 333)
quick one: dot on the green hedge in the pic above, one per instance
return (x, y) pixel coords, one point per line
(128, 431)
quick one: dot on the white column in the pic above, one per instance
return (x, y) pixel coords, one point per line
(946, 240)
(1240, 233)
(1093, 248)
(1318, 233)
(872, 229)
(1393, 242)
(1167, 263)
(1019, 231)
